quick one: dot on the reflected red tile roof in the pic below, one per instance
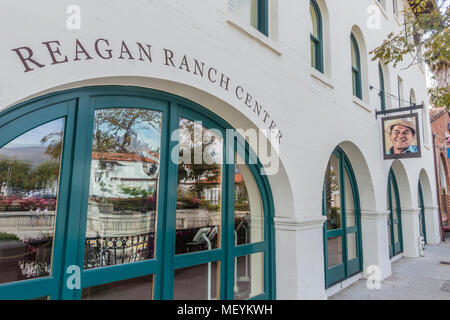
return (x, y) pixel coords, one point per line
(237, 179)
(130, 157)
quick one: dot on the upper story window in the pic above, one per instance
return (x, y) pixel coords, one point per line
(400, 91)
(316, 37)
(382, 89)
(253, 12)
(356, 68)
(395, 7)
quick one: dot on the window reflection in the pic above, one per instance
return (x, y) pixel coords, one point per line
(248, 212)
(332, 189)
(198, 282)
(334, 247)
(29, 178)
(249, 276)
(132, 289)
(349, 203)
(121, 219)
(198, 218)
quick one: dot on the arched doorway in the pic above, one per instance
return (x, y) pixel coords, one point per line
(128, 207)
(395, 239)
(342, 235)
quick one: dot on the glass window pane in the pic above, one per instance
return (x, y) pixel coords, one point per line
(133, 289)
(247, 11)
(354, 56)
(314, 54)
(314, 21)
(199, 194)
(333, 198)
(249, 276)
(355, 80)
(29, 181)
(351, 246)
(349, 203)
(198, 282)
(334, 246)
(248, 211)
(121, 218)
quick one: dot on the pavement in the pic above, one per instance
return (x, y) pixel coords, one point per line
(422, 278)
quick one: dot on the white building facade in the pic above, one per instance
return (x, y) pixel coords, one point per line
(250, 64)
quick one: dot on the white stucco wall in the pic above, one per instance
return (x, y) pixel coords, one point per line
(314, 112)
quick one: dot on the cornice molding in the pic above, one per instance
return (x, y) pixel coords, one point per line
(299, 223)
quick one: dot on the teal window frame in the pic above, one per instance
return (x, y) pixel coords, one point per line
(317, 43)
(356, 72)
(395, 248)
(382, 88)
(347, 269)
(78, 107)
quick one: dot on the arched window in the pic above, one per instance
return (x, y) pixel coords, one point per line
(412, 98)
(382, 88)
(316, 36)
(356, 67)
(342, 236)
(111, 175)
(395, 238)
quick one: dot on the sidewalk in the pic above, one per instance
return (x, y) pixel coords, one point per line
(412, 279)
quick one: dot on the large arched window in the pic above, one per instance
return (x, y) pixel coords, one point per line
(107, 182)
(382, 88)
(316, 36)
(395, 236)
(342, 236)
(356, 67)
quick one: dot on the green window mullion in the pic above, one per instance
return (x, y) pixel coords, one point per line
(163, 202)
(171, 182)
(197, 258)
(229, 238)
(343, 210)
(77, 219)
(120, 272)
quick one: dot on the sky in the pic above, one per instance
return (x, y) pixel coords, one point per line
(33, 137)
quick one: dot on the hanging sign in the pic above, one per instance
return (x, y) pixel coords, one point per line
(401, 137)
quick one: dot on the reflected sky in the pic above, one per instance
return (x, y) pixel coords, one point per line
(33, 137)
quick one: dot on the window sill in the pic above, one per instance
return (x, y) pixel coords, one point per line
(323, 78)
(383, 11)
(361, 104)
(253, 33)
